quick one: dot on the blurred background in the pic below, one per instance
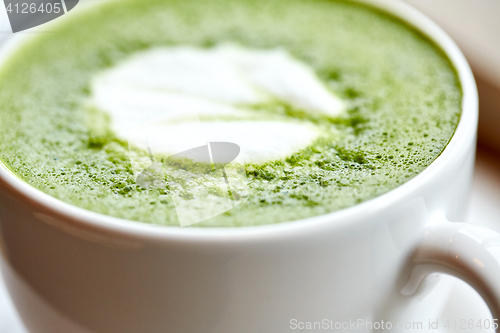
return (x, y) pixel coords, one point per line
(475, 26)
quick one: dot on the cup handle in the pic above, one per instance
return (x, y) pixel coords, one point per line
(466, 251)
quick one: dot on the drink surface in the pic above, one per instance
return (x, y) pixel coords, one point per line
(368, 103)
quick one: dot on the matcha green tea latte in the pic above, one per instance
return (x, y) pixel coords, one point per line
(329, 103)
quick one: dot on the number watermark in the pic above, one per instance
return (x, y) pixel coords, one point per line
(23, 15)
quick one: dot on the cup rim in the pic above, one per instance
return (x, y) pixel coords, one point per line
(465, 133)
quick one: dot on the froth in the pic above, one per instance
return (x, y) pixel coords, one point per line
(172, 83)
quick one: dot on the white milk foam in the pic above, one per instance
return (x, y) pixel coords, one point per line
(171, 84)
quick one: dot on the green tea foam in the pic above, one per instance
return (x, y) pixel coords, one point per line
(386, 103)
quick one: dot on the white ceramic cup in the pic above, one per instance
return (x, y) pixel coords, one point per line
(72, 270)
